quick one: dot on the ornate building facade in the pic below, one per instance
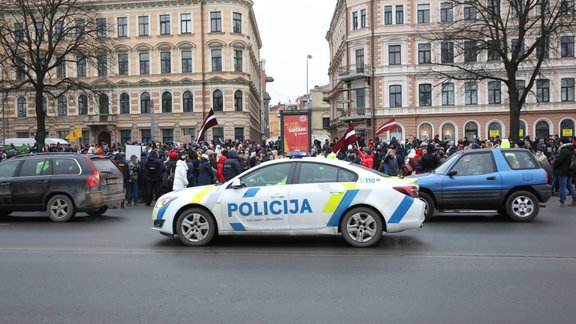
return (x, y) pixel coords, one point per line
(380, 68)
(172, 61)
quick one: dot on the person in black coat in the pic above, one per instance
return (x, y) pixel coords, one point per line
(205, 171)
(231, 167)
(152, 172)
(562, 168)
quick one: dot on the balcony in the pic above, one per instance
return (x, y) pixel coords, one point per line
(354, 114)
(101, 120)
(354, 72)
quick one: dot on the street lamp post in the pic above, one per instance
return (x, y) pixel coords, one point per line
(307, 88)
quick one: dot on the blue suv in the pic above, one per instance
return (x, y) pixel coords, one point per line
(509, 181)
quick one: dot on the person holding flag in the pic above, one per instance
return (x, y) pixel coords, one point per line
(348, 138)
(209, 122)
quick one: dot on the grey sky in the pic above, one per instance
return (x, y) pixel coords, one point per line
(290, 31)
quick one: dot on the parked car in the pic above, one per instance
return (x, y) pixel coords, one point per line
(61, 184)
(509, 181)
(293, 196)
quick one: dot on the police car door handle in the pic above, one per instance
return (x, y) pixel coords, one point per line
(278, 195)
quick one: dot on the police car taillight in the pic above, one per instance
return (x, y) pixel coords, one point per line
(411, 191)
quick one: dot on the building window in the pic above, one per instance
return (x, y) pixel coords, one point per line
(122, 27)
(23, 134)
(425, 132)
(470, 51)
(80, 28)
(187, 102)
(165, 62)
(424, 53)
(425, 94)
(492, 9)
(167, 135)
(517, 46)
(124, 103)
(360, 101)
(394, 56)
(20, 68)
(237, 22)
(22, 107)
(61, 68)
(218, 134)
(145, 103)
(18, 32)
(81, 65)
(494, 129)
(186, 61)
(448, 132)
(217, 100)
(102, 63)
(238, 60)
(216, 60)
(567, 46)
(101, 27)
(399, 14)
(59, 30)
(146, 135)
(238, 100)
(567, 91)
(493, 50)
(363, 20)
(395, 96)
(325, 122)
(189, 131)
(447, 52)
(424, 13)
(166, 102)
(387, 15)
(520, 88)
(567, 126)
(216, 22)
(144, 63)
(125, 137)
(164, 24)
(82, 105)
(543, 90)
(470, 12)
(103, 104)
(359, 60)
(542, 129)
(123, 64)
(494, 92)
(448, 94)
(471, 93)
(545, 46)
(446, 12)
(143, 26)
(355, 20)
(39, 31)
(239, 133)
(186, 23)
(62, 106)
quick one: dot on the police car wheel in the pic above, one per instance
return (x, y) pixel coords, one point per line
(429, 205)
(522, 206)
(361, 227)
(60, 209)
(195, 227)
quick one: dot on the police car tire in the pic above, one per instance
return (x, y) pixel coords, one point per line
(430, 206)
(522, 206)
(371, 218)
(204, 218)
(60, 209)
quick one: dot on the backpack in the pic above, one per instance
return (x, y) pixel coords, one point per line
(152, 168)
(133, 173)
(168, 178)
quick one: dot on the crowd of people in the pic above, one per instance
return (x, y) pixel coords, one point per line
(161, 168)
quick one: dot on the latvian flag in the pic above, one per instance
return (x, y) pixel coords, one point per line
(348, 138)
(391, 124)
(209, 122)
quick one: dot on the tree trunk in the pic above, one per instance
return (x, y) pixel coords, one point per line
(40, 119)
(514, 132)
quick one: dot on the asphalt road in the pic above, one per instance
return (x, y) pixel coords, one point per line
(115, 269)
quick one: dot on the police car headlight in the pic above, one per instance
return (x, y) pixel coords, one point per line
(164, 201)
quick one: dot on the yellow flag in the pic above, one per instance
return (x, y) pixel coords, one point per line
(75, 134)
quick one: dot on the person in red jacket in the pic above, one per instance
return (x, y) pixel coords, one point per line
(223, 157)
(367, 158)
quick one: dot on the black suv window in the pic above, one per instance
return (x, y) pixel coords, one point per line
(65, 166)
(7, 169)
(35, 167)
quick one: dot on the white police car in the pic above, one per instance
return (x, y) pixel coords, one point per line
(294, 196)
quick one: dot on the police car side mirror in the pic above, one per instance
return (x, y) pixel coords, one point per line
(236, 184)
(452, 173)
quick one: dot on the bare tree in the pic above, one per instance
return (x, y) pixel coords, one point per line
(513, 36)
(39, 38)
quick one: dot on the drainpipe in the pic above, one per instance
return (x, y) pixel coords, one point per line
(203, 53)
(372, 69)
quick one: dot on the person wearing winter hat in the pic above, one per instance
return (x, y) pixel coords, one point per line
(180, 174)
(205, 172)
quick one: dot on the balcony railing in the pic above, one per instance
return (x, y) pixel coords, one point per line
(101, 120)
(355, 71)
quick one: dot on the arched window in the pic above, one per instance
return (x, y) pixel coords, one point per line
(238, 100)
(82, 105)
(425, 131)
(166, 102)
(448, 131)
(542, 129)
(104, 105)
(494, 130)
(217, 101)
(22, 107)
(62, 106)
(124, 103)
(522, 132)
(187, 102)
(145, 103)
(471, 131)
(567, 128)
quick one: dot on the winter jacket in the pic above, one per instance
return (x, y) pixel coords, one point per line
(153, 168)
(367, 159)
(231, 167)
(562, 161)
(180, 176)
(219, 174)
(205, 173)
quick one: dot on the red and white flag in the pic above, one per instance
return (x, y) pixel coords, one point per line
(210, 121)
(348, 138)
(391, 124)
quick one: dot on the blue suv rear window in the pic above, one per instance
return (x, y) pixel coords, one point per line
(519, 160)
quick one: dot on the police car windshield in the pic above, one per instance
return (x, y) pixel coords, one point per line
(380, 174)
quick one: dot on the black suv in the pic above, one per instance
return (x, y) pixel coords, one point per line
(60, 183)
